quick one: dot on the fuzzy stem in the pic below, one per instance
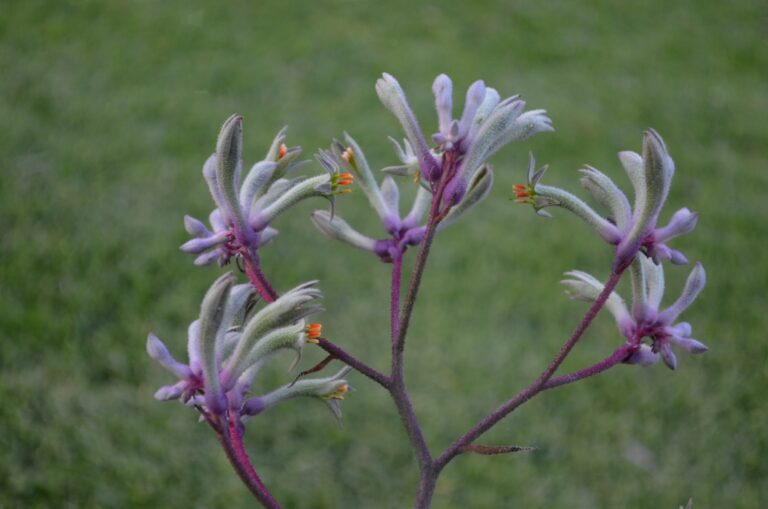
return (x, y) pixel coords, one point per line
(232, 442)
(257, 278)
(620, 355)
(399, 327)
(394, 306)
(427, 484)
(356, 364)
(540, 383)
(397, 380)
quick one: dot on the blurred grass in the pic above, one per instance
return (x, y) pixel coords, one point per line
(107, 111)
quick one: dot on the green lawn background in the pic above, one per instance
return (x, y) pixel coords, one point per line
(107, 112)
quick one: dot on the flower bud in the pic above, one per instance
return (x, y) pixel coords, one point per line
(329, 390)
(479, 188)
(229, 155)
(392, 96)
(211, 315)
(338, 229)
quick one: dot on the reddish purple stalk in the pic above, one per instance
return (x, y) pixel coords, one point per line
(429, 467)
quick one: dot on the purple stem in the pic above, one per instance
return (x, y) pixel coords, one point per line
(394, 301)
(232, 442)
(540, 383)
(397, 380)
(620, 355)
(258, 279)
(354, 363)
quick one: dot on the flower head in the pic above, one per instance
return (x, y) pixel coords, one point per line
(245, 207)
(649, 330)
(487, 123)
(629, 228)
(232, 340)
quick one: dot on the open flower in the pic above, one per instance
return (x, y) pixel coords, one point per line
(385, 200)
(646, 321)
(629, 228)
(233, 339)
(245, 207)
(487, 123)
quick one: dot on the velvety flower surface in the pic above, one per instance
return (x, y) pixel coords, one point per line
(628, 227)
(460, 146)
(649, 329)
(232, 340)
(247, 204)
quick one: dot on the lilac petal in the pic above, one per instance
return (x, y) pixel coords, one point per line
(211, 315)
(198, 245)
(208, 258)
(195, 227)
(229, 154)
(693, 286)
(690, 345)
(668, 356)
(216, 219)
(158, 352)
(643, 356)
(193, 347)
(489, 103)
(392, 96)
(169, 392)
(254, 406)
(651, 190)
(212, 179)
(677, 258)
(443, 90)
(683, 221)
(267, 235)
(682, 329)
(475, 96)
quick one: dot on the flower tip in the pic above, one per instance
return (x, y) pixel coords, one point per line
(155, 348)
(669, 357)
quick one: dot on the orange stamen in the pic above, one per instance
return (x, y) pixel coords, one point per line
(313, 331)
(340, 392)
(282, 151)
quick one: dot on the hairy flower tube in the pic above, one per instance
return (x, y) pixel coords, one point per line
(232, 340)
(629, 228)
(461, 146)
(245, 206)
(647, 321)
(385, 200)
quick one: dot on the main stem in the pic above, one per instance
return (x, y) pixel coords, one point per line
(399, 325)
(397, 379)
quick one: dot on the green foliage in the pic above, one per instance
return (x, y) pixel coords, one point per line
(107, 113)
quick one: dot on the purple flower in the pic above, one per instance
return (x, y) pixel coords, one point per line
(647, 322)
(629, 228)
(486, 124)
(245, 207)
(231, 341)
(384, 198)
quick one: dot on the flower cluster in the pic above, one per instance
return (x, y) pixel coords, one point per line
(627, 228)
(231, 341)
(646, 320)
(464, 145)
(461, 149)
(245, 207)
